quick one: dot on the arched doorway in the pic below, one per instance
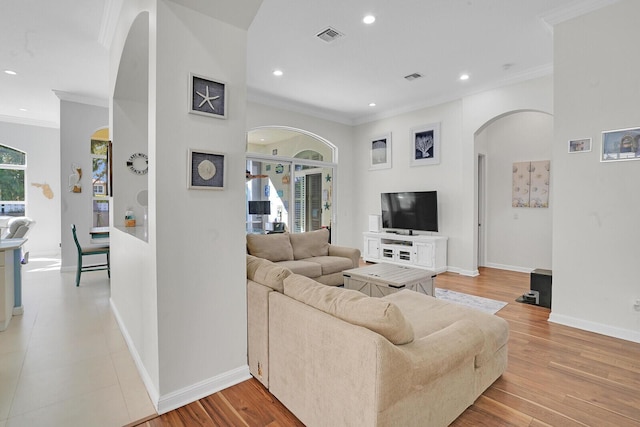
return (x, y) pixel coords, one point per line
(511, 238)
(291, 179)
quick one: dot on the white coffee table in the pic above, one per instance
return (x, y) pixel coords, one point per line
(378, 280)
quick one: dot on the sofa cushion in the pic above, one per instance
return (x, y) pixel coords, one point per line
(274, 247)
(266, 273)
(305, 268)
(331, 264)
(310, 244)
(375, 314)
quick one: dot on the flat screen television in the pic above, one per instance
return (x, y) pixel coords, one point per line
(411, 211)
(259, 207)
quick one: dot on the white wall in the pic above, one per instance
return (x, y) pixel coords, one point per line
(444, 177)
(77, 123)
(133, 261)
(517, 239)
(595, 240)
(478, 111)
(341, 136)
(191, 340)
(42, 145)
(456, 175)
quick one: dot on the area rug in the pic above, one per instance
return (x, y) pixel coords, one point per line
(487, 305)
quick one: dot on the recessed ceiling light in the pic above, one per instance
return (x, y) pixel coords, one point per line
(464, 77)
(372, 104)
(10, 72)
(278, 73)
(23, 109)
(369, 19)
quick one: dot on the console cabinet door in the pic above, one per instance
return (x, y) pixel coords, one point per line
(425, 254)
(371, 248)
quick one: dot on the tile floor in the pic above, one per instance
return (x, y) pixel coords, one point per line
(64, 361)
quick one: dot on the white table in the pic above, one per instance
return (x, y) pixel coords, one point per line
(382, 279)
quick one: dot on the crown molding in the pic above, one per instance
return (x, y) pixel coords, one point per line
(81, 99)
(109, 21)
(530, 74)
(260, 97)
(29, 122)
(562, 14)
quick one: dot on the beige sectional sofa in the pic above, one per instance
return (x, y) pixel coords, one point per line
(335, 357)
(309, 254)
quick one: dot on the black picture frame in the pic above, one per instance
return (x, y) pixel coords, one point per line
(207, 96)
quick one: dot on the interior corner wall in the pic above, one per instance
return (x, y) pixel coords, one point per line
(77, 123)
(595, 219)
(341, 136)
(42, 145)
(517, 238)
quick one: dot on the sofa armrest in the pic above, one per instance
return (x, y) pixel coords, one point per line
(438, 353)
(343, 251)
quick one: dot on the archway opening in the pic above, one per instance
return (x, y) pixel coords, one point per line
(508, 237)
(291, 179)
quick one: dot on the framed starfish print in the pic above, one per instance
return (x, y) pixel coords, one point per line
(207, 97)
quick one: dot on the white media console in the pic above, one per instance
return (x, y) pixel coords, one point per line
(420, 251)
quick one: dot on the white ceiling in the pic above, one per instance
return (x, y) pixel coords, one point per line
(60, 45)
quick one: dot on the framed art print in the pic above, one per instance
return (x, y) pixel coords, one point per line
(622, 144)
(207, 97)
(425, 145)
(580, 145)
(380, 152)
(206, 170)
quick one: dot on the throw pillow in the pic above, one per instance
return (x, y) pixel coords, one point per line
(274, 247)
(310, 244)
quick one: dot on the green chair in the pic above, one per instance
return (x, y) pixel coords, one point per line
(90, 250)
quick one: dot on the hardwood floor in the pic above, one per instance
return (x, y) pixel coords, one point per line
(557, 376)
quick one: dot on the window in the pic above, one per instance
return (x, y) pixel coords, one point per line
(13, 165)
(99, 179)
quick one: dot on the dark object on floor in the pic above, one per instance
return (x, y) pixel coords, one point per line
(541, 282)
(540, 289)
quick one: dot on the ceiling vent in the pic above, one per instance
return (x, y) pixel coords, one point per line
(413, 76)
(329, 35)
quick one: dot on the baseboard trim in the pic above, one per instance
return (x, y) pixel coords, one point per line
(595, 327)
(510, 267)
(197, 391)
(154, 395)
(186, 395)
(462, 272)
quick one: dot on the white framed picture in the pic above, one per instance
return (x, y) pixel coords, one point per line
(425, 145)
(380, 152)
(582, 145)
(621, 144)
(205, 170)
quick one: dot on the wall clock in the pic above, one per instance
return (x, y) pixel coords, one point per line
(138, 163)
(207, 97)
